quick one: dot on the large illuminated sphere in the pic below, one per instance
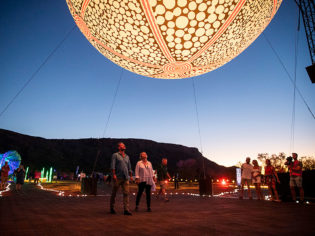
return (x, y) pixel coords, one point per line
(172, 39)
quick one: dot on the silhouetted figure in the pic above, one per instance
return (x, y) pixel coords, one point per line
(37, 176)
(163, 177)
(271, 179)
(4, 175)
(296, 177)
(20, 175)
(176, 181)
(256, 179)
(108, 179)
(247, 169)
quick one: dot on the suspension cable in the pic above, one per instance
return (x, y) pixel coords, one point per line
(288, 74)
(198, 124)
(113, 102)
(108, 118)
(38, 69)
(294, 89)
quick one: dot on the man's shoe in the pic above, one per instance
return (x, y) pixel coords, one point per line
(136, 209)
(149, 210)
(112, 211)
(127, 213)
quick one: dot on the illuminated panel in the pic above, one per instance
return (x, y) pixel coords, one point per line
(43, 173)
(171, 39)
(26, 172)
(50, 174)
(13, 158)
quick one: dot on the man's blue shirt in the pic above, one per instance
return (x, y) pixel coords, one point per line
(121, 165)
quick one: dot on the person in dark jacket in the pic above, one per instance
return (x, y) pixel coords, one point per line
(20, 175)
(163, 177)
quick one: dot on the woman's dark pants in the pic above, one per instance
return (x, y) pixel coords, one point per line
(141, 188)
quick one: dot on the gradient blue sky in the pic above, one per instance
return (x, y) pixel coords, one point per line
(244, 106)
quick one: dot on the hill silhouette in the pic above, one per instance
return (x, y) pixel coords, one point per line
(67, 154)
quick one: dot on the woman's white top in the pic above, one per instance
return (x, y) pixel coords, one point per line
(144, 172)
(256, 173)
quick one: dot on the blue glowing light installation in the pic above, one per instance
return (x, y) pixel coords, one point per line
(13, 158)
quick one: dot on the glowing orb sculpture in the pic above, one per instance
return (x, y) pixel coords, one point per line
(172, 39)
(13, 158)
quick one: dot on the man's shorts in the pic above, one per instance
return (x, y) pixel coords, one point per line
(296, 181)
(163, 184)
(248, 181)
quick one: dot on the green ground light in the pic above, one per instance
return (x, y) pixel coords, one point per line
(50, 174)
(26, 173)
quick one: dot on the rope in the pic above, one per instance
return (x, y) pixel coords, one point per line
(38, 69)
(294, 89)
(113, 102)
(108, 117)
(198, 123)
(289, 76)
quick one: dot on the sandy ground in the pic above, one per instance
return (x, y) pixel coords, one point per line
(38, 212)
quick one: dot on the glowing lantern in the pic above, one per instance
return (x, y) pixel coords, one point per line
(172, 38)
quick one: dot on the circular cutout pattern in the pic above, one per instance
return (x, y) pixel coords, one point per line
(171, 39)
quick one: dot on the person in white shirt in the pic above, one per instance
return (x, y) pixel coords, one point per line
(256, 179)
(145, 179)
(247, 170)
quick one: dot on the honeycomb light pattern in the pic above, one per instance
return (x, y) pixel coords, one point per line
(172, 39)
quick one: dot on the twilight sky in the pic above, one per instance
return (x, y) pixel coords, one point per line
(244, 106)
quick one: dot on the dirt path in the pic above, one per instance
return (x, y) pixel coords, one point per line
(38, 212)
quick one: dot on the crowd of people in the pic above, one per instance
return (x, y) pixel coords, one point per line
(145, 178)
(19, 174)
(252, 174)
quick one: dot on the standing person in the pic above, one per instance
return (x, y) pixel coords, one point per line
(296, 177)
(256, 179)
(4, 175)
(163, 177)
(271, 178)
(37, 176)
(176, 178)
(108, 179)
(82, 175)
(145, 179)
(121, 167)
(20, 175)
(247, 169)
